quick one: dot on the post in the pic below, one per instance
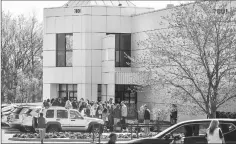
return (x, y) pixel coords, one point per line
(93, 132)
(99, 137)
(137, 130)
(131, 132)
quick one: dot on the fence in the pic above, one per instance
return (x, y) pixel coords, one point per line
(132, 131)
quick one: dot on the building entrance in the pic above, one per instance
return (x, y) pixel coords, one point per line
(67, 91)
(125, 93)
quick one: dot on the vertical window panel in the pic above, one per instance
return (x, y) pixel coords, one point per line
(117, 41)
(125, 42)
(61, 58)
(61, 42)
(67, 91)
(69, 41)
(64, 50)
(68, 58)
(70, 87)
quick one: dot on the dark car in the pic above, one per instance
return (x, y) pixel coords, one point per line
(191, 132)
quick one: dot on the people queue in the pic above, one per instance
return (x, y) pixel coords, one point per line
(111, 113)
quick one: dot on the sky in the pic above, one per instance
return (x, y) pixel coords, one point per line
(29, 7)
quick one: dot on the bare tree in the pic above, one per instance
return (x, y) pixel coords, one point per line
(195, 56)
(21, 53)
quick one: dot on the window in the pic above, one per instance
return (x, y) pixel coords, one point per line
(122, 48)
(17, 110)
(68, 91)
(50, 114)
(124, 93)
(75, 115)
(99, 92)
(24, 110)
(64, 50)
(62, 114)
(203, 128)
(227, 128)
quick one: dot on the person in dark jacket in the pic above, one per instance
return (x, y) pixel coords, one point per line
(88, 110)
(55, 102)
(117, 114)
(111, 117)
(112, 138)
(146, 119)
(42, 126)
(61, 103)
(52, 100)
(174, 114)
(74, 105)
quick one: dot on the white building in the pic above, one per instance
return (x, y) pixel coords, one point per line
(83, 51)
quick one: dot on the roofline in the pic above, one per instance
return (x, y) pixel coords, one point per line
(158, 10)
(100, 6)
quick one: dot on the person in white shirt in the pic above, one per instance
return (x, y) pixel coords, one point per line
(68, 104)
(214, 133)
(124, 113)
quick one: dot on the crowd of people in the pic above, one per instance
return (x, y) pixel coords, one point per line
(111, 113)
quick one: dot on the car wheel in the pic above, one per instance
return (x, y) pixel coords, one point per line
(28, 129)
(53, 128)
(22, 129)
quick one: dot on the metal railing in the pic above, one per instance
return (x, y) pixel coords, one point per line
(132, 129)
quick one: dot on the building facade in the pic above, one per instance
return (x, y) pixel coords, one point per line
(85, 47)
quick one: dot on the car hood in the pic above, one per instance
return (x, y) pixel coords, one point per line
(94, 120)
(137, 141)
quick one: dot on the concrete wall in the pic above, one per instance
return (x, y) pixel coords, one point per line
(88, 28)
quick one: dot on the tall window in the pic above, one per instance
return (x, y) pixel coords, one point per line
(64, 50)
(68, 91)
(124, 93)
(99, 92)
(122, 47)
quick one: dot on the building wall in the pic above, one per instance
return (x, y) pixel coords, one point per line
(151, 22)
(88, 28)
(93, 51)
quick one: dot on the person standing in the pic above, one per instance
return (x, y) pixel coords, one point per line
(68, 104)
(42, 126)
(111, 117)
(124, 113)
(174, 114)
(93, 109)
(214, 133)
(74, 104)
(147, 117)
(117, 114)
(88, 110)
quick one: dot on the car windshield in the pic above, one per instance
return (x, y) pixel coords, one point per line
(24, 110)
(34, 111)
(17, 110)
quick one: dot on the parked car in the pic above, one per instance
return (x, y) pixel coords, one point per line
(15, 118)
(4, 105)
(26, 124)
(191, 132)
(62, 119)
(5, 115)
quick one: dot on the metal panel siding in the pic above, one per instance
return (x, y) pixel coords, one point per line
(124, 77)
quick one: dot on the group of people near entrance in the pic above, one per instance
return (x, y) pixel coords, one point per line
(111, 113)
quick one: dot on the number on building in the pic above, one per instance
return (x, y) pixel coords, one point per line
(77, 10)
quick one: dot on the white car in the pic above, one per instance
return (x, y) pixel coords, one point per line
(6, 112)
(15, 118)
(62, 119)
(26, 124)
